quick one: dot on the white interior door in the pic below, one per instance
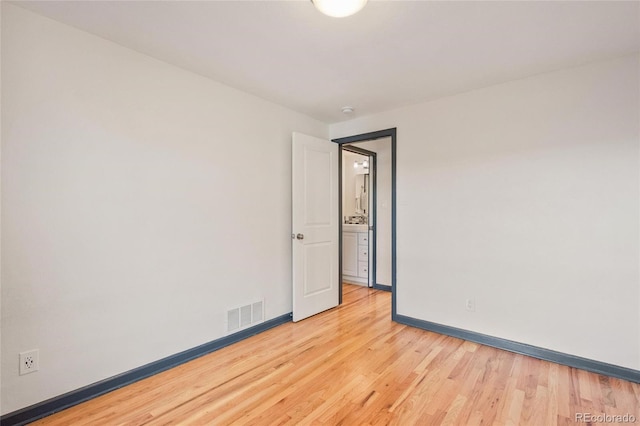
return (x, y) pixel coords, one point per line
(315, 225)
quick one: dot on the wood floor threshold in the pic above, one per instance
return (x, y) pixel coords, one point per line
(353, 366)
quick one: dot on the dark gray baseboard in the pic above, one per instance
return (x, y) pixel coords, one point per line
(382, 287)
(69, 399)
(524, 349)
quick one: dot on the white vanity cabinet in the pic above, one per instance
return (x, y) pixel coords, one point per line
(350, 254)
(363, 259)
(355, 254)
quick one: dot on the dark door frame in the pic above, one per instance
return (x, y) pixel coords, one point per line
(387, 133)
(372, 224)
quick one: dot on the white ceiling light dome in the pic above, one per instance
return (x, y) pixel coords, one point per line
(339, 8)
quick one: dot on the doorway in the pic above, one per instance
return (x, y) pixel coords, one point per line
(358, 216)
(382, 210)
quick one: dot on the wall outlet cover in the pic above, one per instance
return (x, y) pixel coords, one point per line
(470, 305)
(29, 361)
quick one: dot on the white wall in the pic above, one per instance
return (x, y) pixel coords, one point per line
(139, 202)
(382, 147)
(525, 196)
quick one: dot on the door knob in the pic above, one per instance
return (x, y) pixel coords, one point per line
(300, 236)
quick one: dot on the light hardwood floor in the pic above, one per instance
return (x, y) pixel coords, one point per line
(353, 366)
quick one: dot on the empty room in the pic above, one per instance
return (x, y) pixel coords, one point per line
(320, 212)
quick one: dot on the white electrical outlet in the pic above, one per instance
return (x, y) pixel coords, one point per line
(470, 305)
(29, 361)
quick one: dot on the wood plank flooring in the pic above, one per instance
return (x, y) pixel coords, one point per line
(353, 366)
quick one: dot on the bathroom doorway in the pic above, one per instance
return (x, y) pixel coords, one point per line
(381, 213)
(358, 216)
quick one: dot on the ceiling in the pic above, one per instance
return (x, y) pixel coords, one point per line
(391, 54)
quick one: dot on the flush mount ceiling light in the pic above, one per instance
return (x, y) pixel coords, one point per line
(339, 8)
